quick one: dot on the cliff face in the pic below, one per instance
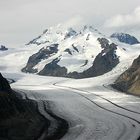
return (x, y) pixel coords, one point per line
(129, 81)
(3, 48)
(19, 119)
(4, 85)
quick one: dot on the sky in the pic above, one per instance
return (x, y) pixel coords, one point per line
(23, 20)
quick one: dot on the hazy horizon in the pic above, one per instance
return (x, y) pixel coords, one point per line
(21, 21)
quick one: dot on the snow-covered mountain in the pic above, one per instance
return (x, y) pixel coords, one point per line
(89, 105)
(125, 38)
(69, 53)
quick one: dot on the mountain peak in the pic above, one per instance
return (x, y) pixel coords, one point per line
(125, 38)
(69, 53)
(89, 28)
(70, 32)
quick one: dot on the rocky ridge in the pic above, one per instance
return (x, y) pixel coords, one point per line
(129, 81)
(69, 53)
(125, 38)
(20, 118)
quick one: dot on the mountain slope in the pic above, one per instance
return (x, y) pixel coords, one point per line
(70, 53)
(129, 81)
(4, 85)
(19, 118)
(125, 38)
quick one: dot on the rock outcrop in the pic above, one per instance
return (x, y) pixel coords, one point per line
(19, 119)
(125, 38)
(42, 54)
(3, 48)
(104, 61)
(4, 85)
(129, 81)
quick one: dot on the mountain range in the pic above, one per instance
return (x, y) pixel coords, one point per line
(29, 107)
(74, 54)
(66, 52)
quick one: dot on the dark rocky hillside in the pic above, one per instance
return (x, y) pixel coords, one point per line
(125, 38)
(129, 81)
(19, 119)
(4, 85)
(3, 48)
(104, 61)
(42, 54)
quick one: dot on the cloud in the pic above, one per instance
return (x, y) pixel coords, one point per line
(125, 21)
(75, 21)
(22, 20)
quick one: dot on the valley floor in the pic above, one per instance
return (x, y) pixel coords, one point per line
(93, 110)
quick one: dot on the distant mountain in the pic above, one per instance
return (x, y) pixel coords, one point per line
(129, 81)
(70, 53)
(125, 38)
(3, 48)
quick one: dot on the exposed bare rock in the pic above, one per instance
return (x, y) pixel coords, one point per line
(125, 38)
(129, 81)
(3, 48)
(4, 85)
(20, 118)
